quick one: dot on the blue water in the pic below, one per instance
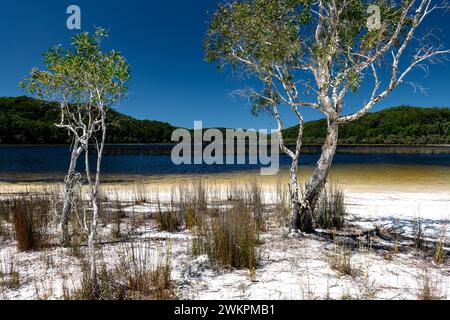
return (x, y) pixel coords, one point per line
(50, 162)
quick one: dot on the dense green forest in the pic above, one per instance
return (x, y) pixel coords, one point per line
(401, 125)
(24, 120)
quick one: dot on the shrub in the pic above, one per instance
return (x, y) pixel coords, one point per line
(9, 276)
(231, 239)
(136, 276)
(169, 220)
(428, 289)
(193, 218)
(341, 261)
(418, 234)
(30, 219)
(440, 254)
(330, 211)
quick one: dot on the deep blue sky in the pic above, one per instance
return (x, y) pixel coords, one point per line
(162, 40)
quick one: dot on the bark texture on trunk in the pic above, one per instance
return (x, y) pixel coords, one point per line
(91, 244)
(94, 190)
(316, 183)
(71, 181)
(295, 195)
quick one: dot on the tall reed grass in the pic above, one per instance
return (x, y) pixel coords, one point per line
(330, 211)
(31, 216)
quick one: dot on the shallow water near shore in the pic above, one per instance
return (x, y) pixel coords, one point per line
(46, 165)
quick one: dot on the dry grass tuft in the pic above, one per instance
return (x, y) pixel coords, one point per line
(230, 239)
(136, 276)
(31, 217)
(330, 210)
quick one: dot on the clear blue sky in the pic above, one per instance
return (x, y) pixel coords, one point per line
(162, 40)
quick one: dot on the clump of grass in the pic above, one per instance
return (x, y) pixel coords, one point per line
(3, 232)
(140, 196)
(169, 220)
(199, 196)
(428, 289)
(341, 260)
(5, 205)
(193, 218)
(231, 239)
(30, 220)
(9, 276)
(440, 254)
(193, 204)
(418, 233)
(136, 276)
(330, 211)
(117, 216)
(235, 193)
(254, 201)
(108, 287)
(282, 210)
(4, 219)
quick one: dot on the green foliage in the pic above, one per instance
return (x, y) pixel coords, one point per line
(82, 74)
(262, 30)
(84, 80)
(26, 120)
(401, 125)
(271, 39)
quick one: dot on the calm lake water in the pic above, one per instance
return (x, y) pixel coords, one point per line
(48, 163)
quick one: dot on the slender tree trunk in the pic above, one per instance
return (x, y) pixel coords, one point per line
(294, 194)
(94, 187)
(91, 243)
(316, 183)
(70, 184)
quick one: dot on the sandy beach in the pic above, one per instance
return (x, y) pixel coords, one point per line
(291, 267)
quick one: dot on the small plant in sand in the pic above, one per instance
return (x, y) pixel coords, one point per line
(9, 276)
(31, 216)
(440, 254)
(428, 287)
(418, 234)
(169, 220)
(193, 218)
(330, 210)
(140, 273)
(232, 238)
(341, 260)
(193, 204)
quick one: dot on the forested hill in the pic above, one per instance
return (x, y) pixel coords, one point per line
(24, 120)
(401, 125)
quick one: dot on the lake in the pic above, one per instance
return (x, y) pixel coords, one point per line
(128, 163)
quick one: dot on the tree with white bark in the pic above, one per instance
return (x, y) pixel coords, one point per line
(312, 54)
(85, 81)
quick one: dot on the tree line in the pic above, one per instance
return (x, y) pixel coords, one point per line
(24, 120)
(404, 125)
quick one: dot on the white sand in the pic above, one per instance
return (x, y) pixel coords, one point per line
(291, 268)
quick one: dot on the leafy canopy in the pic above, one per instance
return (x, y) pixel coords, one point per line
(259, 37)
(82, 74)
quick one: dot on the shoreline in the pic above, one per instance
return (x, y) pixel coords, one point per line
(166, 147)
(367, 178)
